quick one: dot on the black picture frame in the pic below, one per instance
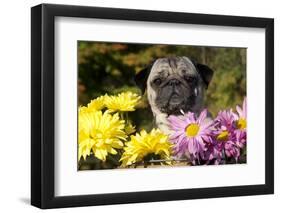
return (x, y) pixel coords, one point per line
(43, 102)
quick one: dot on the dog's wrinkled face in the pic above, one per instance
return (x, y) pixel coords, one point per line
(176, 84)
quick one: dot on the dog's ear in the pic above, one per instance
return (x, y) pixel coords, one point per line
(142, 76)
(205, 72)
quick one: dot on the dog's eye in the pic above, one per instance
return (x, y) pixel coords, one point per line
(190, 79)
(157, 81)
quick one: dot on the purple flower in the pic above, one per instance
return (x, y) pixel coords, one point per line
(213, 154)
(191, 134)
(242, 113)
(241, 124)
(225, 134)
(206, 141)
(225, 119)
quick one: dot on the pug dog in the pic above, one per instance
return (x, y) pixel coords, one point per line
(174, 85)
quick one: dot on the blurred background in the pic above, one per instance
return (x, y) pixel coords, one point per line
(110, 68)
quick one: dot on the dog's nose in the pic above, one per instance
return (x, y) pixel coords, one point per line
(174, 82)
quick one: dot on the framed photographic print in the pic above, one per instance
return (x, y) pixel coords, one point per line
(140, 106)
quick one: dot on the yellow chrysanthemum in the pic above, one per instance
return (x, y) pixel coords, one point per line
(95, 105)
(125, 101)
(144, 144)
(100, 133)
(130, 129)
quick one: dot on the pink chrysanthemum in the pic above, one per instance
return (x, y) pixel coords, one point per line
(241, 124)
(242, 114)
(225, 136)
(190, 134)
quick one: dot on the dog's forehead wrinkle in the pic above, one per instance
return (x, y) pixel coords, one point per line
(160, 69)
(187, 68)
(173, 62)
(173, 66)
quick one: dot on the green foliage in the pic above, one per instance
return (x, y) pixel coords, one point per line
(110, 68)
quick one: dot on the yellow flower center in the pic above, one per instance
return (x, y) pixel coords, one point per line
(241, 123)
(192, 130)
(223, 136)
